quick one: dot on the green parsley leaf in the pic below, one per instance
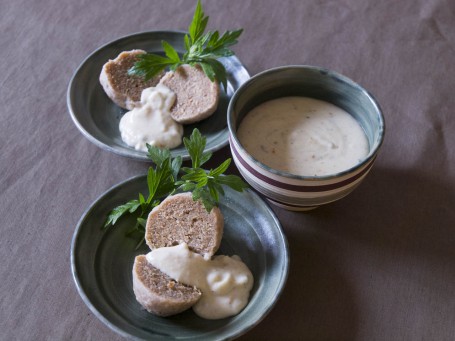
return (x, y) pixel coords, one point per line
(214, 190)
(195, 146)
(214, 70)
(116, 213)
(198, 24)
(221, 168)
(163, 180)
(170, 52)
(176, 164)
(157, 155)
(200, 49)
(203, 194)
(160, 183)
(197, 176)
(142, 222)
(218, 46)
(233, 182)
(149, 65)
(206, 185)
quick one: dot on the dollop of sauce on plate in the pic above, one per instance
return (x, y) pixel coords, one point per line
(303, 136)
(151, 122)
(225, 282)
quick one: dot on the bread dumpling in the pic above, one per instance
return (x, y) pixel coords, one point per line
(123, 89)
(180, 219)
(176, 220)
(158, 293)
(197, 95)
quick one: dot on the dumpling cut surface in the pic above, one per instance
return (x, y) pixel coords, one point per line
(159, 293)
(123, 89)
(197, 95)
(179, 219)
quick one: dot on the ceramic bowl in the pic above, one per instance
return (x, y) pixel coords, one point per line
(296, 192)
(97, 117)
(102, 262)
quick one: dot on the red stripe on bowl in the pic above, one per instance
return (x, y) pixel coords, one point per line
(297, 188)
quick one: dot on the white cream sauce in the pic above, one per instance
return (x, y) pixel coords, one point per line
(151, 121)
(225, 282)
(303, 136)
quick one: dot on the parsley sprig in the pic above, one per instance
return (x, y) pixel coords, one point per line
(202, 49)
(164, 179)
(206, 186)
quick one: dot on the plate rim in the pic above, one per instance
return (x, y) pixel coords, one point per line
(106, 147)
(82, 293)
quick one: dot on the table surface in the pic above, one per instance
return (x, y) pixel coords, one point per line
(376, 265)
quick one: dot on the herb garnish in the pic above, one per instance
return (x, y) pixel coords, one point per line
(164, 180)
(201, 49)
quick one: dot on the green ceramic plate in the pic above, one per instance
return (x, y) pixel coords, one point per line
(97, 117)
(102, 262)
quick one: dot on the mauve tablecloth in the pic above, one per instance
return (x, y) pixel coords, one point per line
(377, 265)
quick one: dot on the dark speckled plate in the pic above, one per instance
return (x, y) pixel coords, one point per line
(102, 260)
(97, 117)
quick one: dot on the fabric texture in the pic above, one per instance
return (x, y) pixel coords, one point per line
(376, 265)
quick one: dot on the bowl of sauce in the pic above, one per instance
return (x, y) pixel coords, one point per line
(304, 136)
